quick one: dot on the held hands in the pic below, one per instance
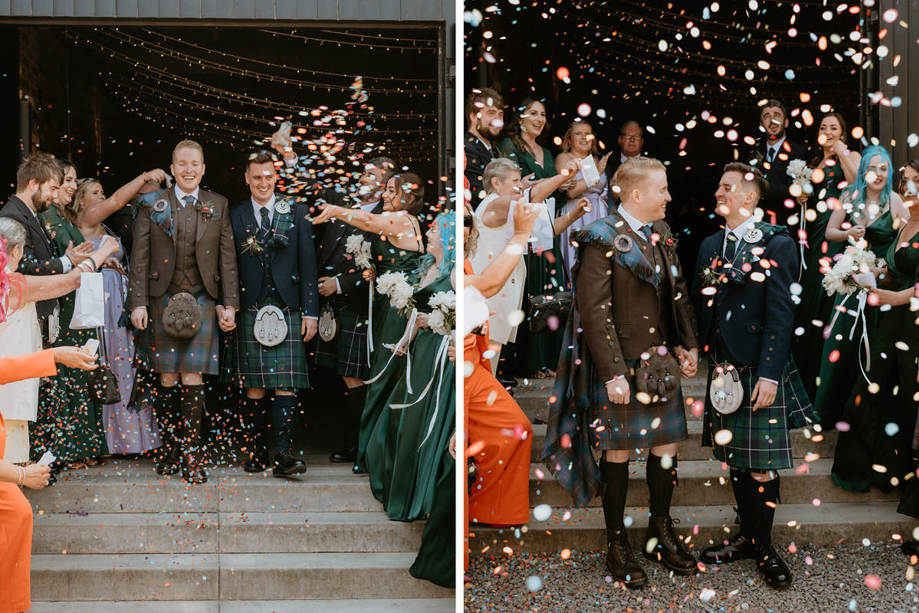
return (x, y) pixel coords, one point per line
(226, 318)
(75, 357)
(763, 394)
(327, 286)
(139, 318)
(689, 361)
(36, 476)
(618, 391)
(308, 327)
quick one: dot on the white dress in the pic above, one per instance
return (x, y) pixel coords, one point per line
(19, 334)
(505, 305)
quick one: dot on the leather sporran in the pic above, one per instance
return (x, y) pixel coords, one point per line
(182, 316)
(328, 324)
(725, 390)
(657, 374)
(545, 306)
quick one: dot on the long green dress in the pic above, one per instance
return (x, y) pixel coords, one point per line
(403, 470)
(835, 377)
(545, 274)
(388, 327)
(69, 422)
(436, 561)
(815, 304)
(881, 425)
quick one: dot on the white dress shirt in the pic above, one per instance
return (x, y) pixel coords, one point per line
(775, 148)
(181, 195)
(738, 232)
(256, 207)
(634, 223)
(369, 207)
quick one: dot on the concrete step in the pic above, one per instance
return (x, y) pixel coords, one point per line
(132, 486)
(404, 605)
(583, 530)
(803, 442)
(209, 577)
(312, 532)
(706, 482)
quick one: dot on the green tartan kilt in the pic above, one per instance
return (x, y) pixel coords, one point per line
(346, 354)
(282, 367)
(634, 425)
(761, 440)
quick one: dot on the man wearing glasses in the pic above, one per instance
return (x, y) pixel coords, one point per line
(631, 142)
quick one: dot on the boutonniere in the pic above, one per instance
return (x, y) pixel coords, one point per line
(207, 210)
(713, 275)
(668, 240)
(252, 246)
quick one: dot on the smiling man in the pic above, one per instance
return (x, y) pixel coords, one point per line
(485, 117)
(183, 278)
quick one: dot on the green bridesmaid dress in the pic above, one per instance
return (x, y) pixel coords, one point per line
(69, 422)
(388, 327)
(545, 275)
(881, 425)
(403, 470)
(815, 304)
(835, 377)
(436, 560)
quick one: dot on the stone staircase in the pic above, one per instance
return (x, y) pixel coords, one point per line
(812, 509)
(135, 541)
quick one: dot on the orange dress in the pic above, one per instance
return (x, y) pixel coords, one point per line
(15, 511)
(500, 494)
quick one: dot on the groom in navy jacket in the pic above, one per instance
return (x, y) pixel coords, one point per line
(277, 273)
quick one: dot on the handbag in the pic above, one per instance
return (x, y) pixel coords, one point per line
(725, 390)
(102, 380)
(182, 316)
(88, 303)
(545, 306)
(658, 374)
(328, 324)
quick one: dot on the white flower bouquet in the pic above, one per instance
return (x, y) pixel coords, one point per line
(359, 249)
(852, 271)
(395, 285)
(801, 177)
(442, 318)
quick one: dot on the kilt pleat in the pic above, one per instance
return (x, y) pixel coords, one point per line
(198, 354)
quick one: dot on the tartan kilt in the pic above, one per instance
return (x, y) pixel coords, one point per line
(760, 440)
(346, 354)
(634, 425)
(198, 354)
(282, 367)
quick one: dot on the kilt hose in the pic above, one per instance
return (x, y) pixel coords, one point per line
(198, 354)
(282, 367)
(346, 354)
(634, 425)
(761, 439)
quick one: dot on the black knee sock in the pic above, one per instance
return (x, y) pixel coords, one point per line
(284, 412)
(356, 398)
(616, 477)
(763, 498)
(738, 480)
(660, 485)
(167, 418)
(192, 403)
(255, 424)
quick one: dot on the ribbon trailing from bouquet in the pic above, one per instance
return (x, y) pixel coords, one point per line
(369, 321)
(440, 361)
(406, 336)
(802, 239)
(859, 315)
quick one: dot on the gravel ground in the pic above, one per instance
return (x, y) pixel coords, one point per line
(825, 579)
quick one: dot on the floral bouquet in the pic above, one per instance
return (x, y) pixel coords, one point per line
(801, 176)
(442, 319)
(359, 249)
(395, 285)
(852, 272)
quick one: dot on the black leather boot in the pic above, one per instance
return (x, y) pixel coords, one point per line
(738, 548)
(668, 548)
(772, 567)
(284, 412)
(355, 404)
(621, 561)
(164, 409)
(255, 419)
(193, 453)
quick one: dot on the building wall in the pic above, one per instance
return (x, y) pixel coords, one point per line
(896, 124)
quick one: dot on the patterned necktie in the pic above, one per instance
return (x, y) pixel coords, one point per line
(730, 250)
(264, 223)
(646, 230)
(770, 156)
(189, 200)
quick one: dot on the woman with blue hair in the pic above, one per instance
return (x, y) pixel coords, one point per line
(868, 210)
(409, 443)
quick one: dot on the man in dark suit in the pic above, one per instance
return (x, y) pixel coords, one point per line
(631, 141)
(183, 251)
(771, 156)
(277, 274)
(742, 293)
(344, 288)
(485, 117)
(37, 181)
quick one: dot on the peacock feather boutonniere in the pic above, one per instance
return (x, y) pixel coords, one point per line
(252, 246)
